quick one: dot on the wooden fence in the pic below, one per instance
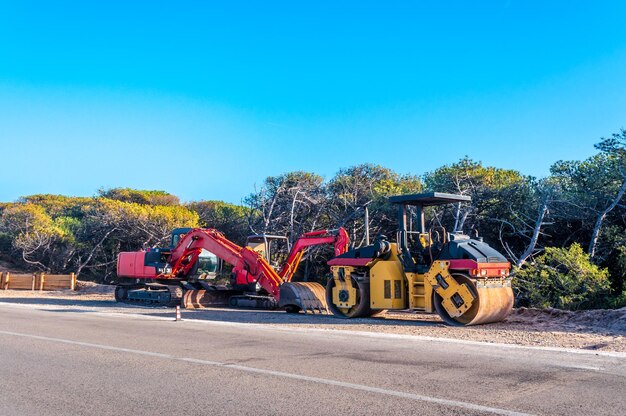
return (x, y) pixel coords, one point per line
(37, 281)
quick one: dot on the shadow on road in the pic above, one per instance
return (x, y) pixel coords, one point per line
(526, 320)
(252, 316)
(283, 318)
(60, 302)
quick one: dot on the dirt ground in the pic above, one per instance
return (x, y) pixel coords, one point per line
(602, 330)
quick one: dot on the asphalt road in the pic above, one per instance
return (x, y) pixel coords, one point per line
(73, 362)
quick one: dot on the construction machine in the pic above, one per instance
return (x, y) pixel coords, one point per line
(186, 272)
(462, 279)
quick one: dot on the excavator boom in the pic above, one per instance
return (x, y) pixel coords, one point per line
(308, 296)
(338, 238)
(248, 265)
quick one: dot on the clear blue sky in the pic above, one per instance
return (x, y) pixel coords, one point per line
(205, 101)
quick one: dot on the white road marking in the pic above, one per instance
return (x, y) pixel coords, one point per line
(580, 367)
(293, 376)
(328, 332)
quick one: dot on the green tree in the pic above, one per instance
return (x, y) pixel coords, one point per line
(110, 226)
(367, 185)
(36, 238)
(289, 204)
(230, 219)
(61, 234)
(142, 197)
(592, 190)
(486, 185)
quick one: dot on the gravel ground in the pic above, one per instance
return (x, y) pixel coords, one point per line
(603, 330)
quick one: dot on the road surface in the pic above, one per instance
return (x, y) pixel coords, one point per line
(76, 362)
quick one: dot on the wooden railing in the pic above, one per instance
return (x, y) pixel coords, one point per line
(37, 281)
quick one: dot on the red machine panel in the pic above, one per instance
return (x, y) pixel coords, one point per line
(131, 264)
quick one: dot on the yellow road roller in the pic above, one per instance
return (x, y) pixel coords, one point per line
(462, 279)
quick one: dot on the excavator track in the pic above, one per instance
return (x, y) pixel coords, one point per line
(252, 301)
(176, 295)
(149, 295)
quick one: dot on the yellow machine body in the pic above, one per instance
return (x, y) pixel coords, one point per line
(388, 283)
(344, 293)
(462, 279)
(459, 299)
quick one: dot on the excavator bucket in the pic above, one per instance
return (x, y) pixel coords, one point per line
(301, 296)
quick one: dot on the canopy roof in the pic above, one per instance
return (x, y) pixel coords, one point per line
(429, 199)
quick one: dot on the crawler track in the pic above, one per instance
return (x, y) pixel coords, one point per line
(150, 295)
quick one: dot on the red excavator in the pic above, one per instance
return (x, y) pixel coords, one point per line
(187, 271)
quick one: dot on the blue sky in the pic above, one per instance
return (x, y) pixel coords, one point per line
(206, 99)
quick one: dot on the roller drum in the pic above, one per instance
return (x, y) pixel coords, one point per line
(493, 302)
(361, 308)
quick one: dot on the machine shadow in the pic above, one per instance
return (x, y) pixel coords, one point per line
(251, 316)
(281, 318)
(59, 302)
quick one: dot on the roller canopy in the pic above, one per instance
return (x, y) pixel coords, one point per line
(429, 199)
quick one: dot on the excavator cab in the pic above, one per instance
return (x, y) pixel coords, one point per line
(177, 235)
(274, 248)
(208, 265)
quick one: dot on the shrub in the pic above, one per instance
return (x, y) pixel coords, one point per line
(562, 278)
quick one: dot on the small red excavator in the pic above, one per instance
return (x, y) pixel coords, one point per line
(186, 271)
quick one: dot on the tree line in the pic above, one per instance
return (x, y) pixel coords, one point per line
(565, 234)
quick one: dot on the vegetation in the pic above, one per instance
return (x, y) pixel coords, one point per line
(562, 278)
(565, 234)
(59, 234)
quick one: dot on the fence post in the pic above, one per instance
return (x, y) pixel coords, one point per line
(2, 280)
(73, 284)
(7, 277)
(42, 279)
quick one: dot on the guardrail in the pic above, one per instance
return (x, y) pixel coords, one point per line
(37, 281)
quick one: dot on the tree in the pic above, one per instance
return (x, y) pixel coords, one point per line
(142, 197)
(34, 235)
(522, 213)
(593, 188)
(484, 184)
(60, 234)
(289, 204)
(615, 149)
(228, 218)
(110, 226)
(367, 185)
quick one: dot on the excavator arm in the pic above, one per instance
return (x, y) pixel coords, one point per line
(339, 238)
(248, 265)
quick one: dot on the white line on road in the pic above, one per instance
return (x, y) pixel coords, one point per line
(293, 376)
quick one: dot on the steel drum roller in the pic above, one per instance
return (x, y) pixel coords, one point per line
(493, 303)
